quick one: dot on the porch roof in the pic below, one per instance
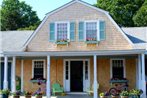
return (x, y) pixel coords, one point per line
(76, 53)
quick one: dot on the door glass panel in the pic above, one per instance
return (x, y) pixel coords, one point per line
(66, 71)
(86, 70)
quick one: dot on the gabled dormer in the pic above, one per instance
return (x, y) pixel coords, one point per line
(78, 26)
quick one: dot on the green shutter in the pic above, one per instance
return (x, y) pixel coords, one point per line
(81, 31)
(102, 30)
(72, 31)
(52, 32)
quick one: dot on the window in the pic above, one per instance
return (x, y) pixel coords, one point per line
(91, 31)
(38, 69)
(62, 31)
(117, 68)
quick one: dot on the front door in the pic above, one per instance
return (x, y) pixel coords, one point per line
(76, 76)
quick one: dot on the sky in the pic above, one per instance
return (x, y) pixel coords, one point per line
(44, 6)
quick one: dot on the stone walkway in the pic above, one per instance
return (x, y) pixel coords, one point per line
(73, 96)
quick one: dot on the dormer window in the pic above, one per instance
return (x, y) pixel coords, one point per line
(62, 32)
(91, 31)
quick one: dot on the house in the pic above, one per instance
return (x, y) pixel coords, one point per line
(76, 45)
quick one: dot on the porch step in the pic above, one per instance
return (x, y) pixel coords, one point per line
(76, 93)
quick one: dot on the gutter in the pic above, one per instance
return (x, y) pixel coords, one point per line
(77, 53)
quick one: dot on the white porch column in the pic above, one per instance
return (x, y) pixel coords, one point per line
(143, 75)
(139, 72)
(48, 92)
(95, 77)
(13, 84)
(5, 83)
(22, 76)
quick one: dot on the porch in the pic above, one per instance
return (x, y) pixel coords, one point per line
(95, 76)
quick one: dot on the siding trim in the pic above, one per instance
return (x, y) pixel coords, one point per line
(119, 29)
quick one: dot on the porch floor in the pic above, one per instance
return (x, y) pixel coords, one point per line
(73, 96)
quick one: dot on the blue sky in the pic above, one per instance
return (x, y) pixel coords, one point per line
(44, 6)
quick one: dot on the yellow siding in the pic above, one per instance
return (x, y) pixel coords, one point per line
(103, 72)
(76, 13)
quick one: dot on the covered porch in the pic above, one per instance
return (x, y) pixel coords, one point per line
(95, 76)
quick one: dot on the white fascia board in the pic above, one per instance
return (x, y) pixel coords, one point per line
(119, 29)
(146, 38)
(77, 53)
(91, 6)
(34, 33)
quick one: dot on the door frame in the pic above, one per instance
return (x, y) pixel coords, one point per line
(64, 67)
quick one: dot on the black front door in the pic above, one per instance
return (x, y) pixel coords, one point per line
(76, 76)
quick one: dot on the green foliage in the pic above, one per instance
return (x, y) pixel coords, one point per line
(102, 94)
(16, 14)
(136, 92)
(124, 93)
(6, 92)
(29, 28)
(122, 11)
(140, 18)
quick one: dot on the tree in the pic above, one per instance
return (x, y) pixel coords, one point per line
(122, 11)
(140, 18)
(16, 14)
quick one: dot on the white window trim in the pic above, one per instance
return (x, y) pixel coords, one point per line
(98, 31)
(43, 67)
(124, 66)
(68, 29)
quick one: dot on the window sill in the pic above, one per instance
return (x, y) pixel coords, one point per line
(61, 43)
(92, 42)
(118, 81)
(37, 81)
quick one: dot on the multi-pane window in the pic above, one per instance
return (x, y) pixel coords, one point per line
(91, 31)
(118, 69)
(62, 31)
(38, 69)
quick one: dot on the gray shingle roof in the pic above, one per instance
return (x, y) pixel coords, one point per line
(13, 40)
(137, 32)
(138, 36)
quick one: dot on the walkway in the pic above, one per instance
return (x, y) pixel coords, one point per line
(73, 96)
